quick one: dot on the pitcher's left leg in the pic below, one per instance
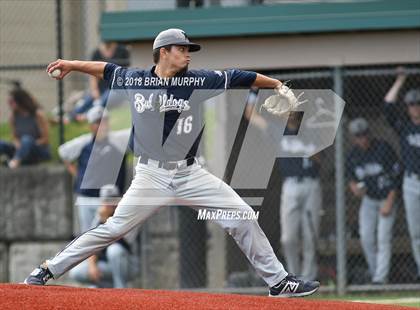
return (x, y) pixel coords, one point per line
(203, 191)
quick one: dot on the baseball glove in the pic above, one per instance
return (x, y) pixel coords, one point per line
(283, 101)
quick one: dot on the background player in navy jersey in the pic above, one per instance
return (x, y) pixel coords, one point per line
(372, 171)
(166, 116)
(301, 196)
(76, 154)
(407, 125)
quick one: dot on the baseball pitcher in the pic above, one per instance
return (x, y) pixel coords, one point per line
(167, 125)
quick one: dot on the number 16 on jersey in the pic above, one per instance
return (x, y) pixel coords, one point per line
(184, 125)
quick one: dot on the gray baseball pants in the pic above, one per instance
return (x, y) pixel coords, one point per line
(411, 196)
(376, 237)
(300, 216)
(153, 188)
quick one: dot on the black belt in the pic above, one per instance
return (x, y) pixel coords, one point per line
(168, 165)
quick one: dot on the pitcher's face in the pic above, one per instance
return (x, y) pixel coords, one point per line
(179, 57)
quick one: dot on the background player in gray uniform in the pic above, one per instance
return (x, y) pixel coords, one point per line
(407, 125)
(373, 170)
(301, 198)
(167, 130)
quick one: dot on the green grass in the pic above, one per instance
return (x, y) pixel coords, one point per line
(376, 298)
(119, 119)
(71, 131)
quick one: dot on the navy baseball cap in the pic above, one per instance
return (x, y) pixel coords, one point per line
(359, 126)
(174, 36)
(412, 97)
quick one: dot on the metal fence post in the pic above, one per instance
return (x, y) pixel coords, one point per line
(340, 194)
(59, 27)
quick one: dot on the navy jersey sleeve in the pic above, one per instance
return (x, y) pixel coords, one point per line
(117, 76)
(232, 78)
(394, 116)
(392, 165)
(113, 72)
(239, 78)
(350, 164)
(389, 155)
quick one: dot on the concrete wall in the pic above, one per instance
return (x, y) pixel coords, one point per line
(36, 222)
(25, 256)
(160, 257)
(35, 218)
(4, 259)
(35, 204)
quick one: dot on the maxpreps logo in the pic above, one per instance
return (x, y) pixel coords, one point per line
(166, 103)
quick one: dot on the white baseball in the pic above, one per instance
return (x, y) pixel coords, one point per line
(56, 73)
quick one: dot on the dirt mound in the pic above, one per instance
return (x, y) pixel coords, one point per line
(19, 296)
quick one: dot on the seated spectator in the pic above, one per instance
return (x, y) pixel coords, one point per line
(373, 172)
(115, 265)
(99, 89)
(29, 127)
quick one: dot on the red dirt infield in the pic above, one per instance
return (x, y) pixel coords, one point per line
(20, 296)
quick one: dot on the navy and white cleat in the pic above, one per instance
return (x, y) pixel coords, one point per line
(292, 287)
(39, 276)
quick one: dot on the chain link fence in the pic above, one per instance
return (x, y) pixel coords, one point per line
(341, 262)
(26, 48)
(363, 89)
